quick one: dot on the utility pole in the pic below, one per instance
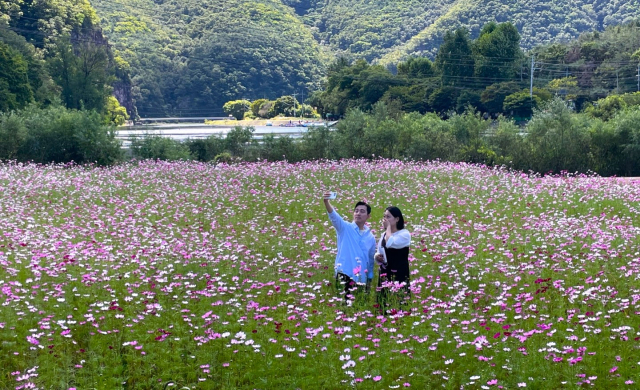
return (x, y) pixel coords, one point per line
(638, 77)
(531, 82)
(294, 103)
(302, 104)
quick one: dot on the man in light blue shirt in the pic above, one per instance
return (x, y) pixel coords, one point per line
(356, 246)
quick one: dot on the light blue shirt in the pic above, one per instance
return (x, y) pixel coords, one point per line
(355, 249)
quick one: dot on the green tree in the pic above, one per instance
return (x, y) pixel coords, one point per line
(206, 149)
(468, 98)
(497, 53)
(286, 105)
(566, 87)
(510, 145)
(255, 106)
(469, 129)
(493, 96)
(521, 104)
(238, 139)
(15, 91)
(279, 148)
(266, 109)
(411, 98)
(428, 139)
(318, 143)
(159, 147)
(115, 114)
(13, 134)
(443, 100)
(559, 139)
(628, 138)
(349, 135)
(606, 108)
(85, 77)
(56, 134)
(43, 87)
(608, 156)
(354, 86)
(236, 108)
(417, 67)
(455, 58)
(372, 83)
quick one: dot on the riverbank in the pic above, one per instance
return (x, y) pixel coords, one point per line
(264, 122)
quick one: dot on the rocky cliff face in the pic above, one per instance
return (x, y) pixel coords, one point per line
(122, 92)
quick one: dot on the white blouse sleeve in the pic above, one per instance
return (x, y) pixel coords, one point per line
(400, 239)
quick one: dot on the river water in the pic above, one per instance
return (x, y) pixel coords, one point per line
(198, 131)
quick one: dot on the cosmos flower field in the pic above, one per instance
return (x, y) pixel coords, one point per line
(159, 275)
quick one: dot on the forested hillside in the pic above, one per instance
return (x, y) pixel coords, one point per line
(493, 75)
(387, 30)
(65, 55)
(187, 58)
(190, 57)
(538, 21)
(371, 29)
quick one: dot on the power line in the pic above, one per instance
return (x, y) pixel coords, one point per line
(480, 81)
(507, 61)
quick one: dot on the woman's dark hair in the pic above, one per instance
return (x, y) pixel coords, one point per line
(397, 214)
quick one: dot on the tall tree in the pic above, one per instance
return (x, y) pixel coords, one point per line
(15, 90)
(416, 67)
(497, 53)
(83, 73)
(455, 58)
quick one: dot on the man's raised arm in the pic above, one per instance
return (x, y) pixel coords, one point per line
(327, 203)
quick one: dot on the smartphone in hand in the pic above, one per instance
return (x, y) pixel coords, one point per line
(332, 195)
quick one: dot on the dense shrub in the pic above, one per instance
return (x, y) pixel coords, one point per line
(556, 139)
(627, 140)
(318, 143)
(279, 149)
(559, 139)
(206, 149)
(56, 134)
(158, 147)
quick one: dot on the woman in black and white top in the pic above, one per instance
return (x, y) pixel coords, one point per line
(393, 253)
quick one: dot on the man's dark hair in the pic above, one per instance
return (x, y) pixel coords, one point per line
(393, 210)
(363, 204)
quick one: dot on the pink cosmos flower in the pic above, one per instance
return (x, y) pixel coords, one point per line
(33, 340)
